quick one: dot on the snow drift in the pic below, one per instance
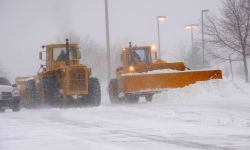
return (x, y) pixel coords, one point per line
(207, 115)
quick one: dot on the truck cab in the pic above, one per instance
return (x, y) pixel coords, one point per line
(143, 59)
(60, 55)
(137, 55)
(63, 69)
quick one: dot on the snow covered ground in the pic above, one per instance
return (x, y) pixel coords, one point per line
(209, 115)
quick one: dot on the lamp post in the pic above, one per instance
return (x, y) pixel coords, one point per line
(107, 40)
(203, 39)
(191, 27)
(231, 65)
(159, 18)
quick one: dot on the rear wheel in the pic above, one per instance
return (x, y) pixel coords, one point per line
(33, 96)
(16, 104)
(113, 92)
(94, 96)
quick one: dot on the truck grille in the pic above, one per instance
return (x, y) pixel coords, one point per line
(6, 95)
(78, 77)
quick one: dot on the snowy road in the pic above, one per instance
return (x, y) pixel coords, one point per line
(214, 115)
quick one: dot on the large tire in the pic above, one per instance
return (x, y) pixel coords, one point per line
(113, 92)
(33, 95)
(94, 95)
(47, 90)
(16, 104)
(51, 91)
(132, 99)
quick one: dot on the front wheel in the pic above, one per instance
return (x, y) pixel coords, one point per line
(113, 92)
(16, 104)
(94, 95)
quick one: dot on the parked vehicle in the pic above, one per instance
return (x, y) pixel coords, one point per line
(9, 96)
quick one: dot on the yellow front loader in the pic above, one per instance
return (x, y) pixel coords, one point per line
(143, 75)
(61, 81)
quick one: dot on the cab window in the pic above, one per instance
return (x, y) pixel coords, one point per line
(60, 54)
(138, 56)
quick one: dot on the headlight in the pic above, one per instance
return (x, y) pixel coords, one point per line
(131, 69)
(153, 47)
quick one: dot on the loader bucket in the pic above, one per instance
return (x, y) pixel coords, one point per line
(140, 83)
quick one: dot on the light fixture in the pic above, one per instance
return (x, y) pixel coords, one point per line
(131, 69)
(153, 47)
(161, 18)
(192, 26)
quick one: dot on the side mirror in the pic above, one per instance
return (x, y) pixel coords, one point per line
(41, 56)
(14, 85)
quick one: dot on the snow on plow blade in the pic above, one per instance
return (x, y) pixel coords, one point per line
(154, 82)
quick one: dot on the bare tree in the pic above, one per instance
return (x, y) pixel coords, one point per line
(229, 33)
(194, 60)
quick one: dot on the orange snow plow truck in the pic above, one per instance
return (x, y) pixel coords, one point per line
(143, 74)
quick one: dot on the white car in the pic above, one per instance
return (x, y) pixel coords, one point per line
(9, 96)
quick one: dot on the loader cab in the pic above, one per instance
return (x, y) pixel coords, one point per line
(138, 55)
(57, 55)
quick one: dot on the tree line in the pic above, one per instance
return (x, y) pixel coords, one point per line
(227, 37)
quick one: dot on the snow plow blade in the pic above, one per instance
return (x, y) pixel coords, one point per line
(156, 82)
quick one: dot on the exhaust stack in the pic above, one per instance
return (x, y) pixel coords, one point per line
(67, 51)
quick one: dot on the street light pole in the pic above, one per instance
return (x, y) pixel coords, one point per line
(231, 66)
(159, 18)
(107, 41)
(191, 27)
(203, 38)
(192, 40)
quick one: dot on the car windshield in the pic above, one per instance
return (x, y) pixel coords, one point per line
(4, 81)
(138, 56)
(59, 54)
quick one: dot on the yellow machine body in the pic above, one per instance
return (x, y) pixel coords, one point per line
(60, 75)
(138, 77)
(72, 77)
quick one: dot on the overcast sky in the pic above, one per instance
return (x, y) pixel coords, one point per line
(27, 24)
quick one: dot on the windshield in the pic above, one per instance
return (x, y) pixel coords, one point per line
(4, 81)
(59, 54)
(138, 56)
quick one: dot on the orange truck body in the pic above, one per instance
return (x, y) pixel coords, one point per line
(143, 74)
